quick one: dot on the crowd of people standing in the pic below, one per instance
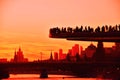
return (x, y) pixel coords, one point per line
(77, 29)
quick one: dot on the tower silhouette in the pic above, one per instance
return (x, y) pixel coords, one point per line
(51, 57)
(15, 56)
(19, 57)
(99, 55)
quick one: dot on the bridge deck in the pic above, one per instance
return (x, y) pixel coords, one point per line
(80, 69)
(87, 36)
(32, 67)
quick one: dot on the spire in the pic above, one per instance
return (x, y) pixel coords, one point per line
(15, 51)
(15, 56)
(51, 57)
(19, 48)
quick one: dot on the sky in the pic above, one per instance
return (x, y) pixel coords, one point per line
(26, 23)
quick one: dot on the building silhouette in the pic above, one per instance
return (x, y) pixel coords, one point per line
(74, 50)
(81, 50)
(90, 50)
(99, 55)
(117, 45)
(77, 57)
(61, 54)
(55, 56)
(116, 51)
(68, 57)
(3, 60)
(70, 51)
(18, 56)
(91, 53)
(15, 56)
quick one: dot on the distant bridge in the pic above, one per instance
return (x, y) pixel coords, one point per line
(82, 69)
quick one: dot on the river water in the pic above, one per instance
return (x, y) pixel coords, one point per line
(50, 77)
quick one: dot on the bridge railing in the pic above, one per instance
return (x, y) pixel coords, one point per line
(105, 31)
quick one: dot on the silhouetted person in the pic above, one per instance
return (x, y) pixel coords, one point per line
(97, 29)
(62, 29)
(119, 27)
(69, 30)
(76, 29)
(103, 29)
(81, 28)
(85, 29)
(110, 28)
(106, 28)
(116, 27)
(89, 28)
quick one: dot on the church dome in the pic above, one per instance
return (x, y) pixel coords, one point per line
(91, 46)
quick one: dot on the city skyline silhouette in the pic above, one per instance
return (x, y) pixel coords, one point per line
(27, 23)
(60, 54)
(27, 47)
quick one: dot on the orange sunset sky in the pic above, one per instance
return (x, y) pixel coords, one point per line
(26, 23)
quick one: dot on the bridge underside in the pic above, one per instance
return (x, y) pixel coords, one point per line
(101, 39)
(104, 37)
(77, 68)
(68, 66)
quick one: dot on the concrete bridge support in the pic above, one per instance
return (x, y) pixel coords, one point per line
(44, 73)
(4, 73)
(99, 55)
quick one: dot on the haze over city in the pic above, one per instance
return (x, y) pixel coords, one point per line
(26, 23)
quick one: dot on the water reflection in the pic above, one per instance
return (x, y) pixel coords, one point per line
(50, 77)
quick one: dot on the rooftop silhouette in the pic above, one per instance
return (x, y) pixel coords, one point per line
(18, 56)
